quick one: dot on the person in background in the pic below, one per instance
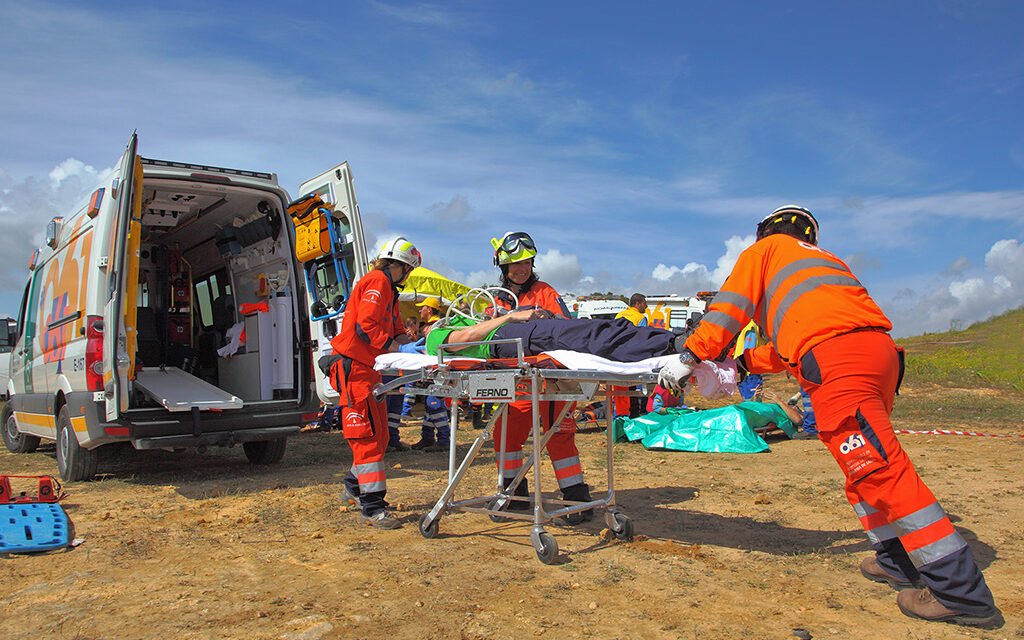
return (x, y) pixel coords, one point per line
(810, 425)
(662, 399)
(636, 312)
(371, 326)
(824, 327)
(514, 255)
(435, 432)
(750, 383)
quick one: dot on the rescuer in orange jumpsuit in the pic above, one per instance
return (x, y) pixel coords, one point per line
(514, 255)
(825, 328)
(371, 326)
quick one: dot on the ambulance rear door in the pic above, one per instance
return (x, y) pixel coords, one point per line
(122, 258)
(336, 188)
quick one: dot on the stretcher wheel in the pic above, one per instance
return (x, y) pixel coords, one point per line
(621, 525)
(546, 547)
(493, 505)
(429, 530)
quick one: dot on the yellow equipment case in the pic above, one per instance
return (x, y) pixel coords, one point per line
(310, 215)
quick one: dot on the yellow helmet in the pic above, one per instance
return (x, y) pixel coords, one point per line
(514, 246)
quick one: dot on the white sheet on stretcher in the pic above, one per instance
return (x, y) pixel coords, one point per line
(569, 359)
(712, 379)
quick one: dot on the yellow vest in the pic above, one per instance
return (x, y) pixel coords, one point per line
(632, 314)
(738, 351)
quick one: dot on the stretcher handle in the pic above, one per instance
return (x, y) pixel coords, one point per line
(382, 389)
(521, 360)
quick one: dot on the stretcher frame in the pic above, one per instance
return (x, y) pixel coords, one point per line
(544, 384)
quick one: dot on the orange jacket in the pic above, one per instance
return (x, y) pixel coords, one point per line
(371, 321)
(542, 296)
(801, 295)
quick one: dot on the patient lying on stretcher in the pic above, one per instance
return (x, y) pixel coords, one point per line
(612, 339)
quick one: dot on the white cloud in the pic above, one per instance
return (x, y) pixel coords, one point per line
(25, 208)
(419, 14)
(562, 271)
(455, 211)
(966, 300)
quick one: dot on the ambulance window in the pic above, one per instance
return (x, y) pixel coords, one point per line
(24, 305)
(208, 291)
(205, 301)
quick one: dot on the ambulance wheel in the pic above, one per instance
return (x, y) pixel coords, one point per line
(74, 463)
(16, 441)
(265, 451)
(429, 530)
(623, 528)
(546, 547)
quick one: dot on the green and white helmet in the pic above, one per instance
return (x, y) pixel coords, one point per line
(400, 249)
(514, 246)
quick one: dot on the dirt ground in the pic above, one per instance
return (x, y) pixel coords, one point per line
(196, 545)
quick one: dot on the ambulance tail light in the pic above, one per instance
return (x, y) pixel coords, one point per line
(94, 353)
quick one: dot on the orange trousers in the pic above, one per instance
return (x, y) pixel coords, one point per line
(565, 457)
(852, 381)
(364, 423)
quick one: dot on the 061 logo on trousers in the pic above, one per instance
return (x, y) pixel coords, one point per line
(856, 441)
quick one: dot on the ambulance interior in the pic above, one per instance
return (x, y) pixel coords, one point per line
(216, 295)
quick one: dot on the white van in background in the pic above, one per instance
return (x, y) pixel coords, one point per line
(584, 307)
(681, 310)
(130, 322)
(8, 326)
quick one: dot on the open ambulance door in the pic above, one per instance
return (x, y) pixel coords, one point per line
(335, 187)
(122, 282)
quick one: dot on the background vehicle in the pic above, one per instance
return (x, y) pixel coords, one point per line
(135, 295)
(585, 307)
(8, 326)
(680, 309)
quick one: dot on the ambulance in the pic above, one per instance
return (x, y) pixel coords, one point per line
(169, 310)
(584, 307)
(681, 312)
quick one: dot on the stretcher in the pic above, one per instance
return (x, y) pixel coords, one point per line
(537, 379)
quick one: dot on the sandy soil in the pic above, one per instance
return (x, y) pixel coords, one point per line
(728, 546)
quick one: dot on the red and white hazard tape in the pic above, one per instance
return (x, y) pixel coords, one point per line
(949, 432)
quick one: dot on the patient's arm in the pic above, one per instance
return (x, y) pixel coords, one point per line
(479, 332)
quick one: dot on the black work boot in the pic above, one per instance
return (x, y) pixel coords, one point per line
(577, 493)
(522, 491)
(520, 506)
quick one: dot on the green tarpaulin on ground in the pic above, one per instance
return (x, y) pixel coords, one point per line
(723, 430)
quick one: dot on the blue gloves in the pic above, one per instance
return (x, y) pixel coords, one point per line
(413, 347)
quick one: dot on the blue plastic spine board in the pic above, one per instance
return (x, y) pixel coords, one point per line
(29, 527)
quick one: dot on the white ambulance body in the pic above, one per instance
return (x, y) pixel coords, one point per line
(588, 308)
(680, 309)
(134, 293)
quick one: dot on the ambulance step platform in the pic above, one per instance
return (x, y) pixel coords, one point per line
(32, 527)
(180, 391)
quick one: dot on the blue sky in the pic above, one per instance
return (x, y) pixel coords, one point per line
(639, 144)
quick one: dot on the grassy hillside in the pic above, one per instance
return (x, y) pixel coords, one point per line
(989, 353)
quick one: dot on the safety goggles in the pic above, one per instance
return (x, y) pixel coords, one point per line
(514, 242)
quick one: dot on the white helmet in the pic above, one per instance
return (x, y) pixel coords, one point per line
(400, 249)
(790, 213)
